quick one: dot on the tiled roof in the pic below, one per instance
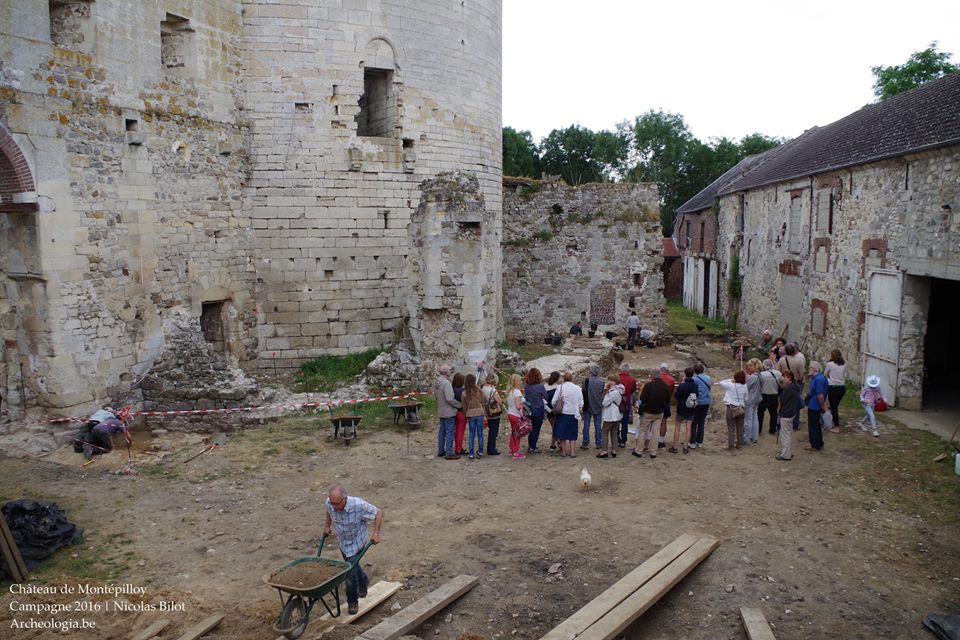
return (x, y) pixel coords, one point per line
(924, 118)
(705, 198)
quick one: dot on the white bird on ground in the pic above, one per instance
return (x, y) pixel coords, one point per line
(584, 478)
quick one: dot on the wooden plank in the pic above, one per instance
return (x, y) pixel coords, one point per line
(620, 590)
(421, 610)
(621, 617)
(375, 596)
(151, 631)
(201, 627)
(11, 554)
(755, 624)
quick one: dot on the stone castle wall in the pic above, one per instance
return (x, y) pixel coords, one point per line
(589, 253)
(331, 195)
(885, 215)
(213, 157)
(139, 168)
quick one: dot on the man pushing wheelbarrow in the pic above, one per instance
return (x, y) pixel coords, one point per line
(350, 517)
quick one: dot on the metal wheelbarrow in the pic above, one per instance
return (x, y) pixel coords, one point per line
(298, 601)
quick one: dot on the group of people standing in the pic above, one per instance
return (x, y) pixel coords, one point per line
(771, 388)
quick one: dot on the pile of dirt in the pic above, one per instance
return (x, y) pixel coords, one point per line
(305, 575)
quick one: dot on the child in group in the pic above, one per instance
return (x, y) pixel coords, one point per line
(515, 413)
(869, 396)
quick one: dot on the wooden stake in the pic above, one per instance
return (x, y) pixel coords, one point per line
(11, 553)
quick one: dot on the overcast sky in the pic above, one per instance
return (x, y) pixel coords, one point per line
(730, 68)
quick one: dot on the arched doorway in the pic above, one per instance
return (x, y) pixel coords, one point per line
(22, 288)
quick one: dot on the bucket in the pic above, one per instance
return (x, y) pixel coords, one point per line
(956, 466)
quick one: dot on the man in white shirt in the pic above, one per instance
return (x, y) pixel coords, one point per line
(633, 327)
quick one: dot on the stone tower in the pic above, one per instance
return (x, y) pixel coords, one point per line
(351, 106)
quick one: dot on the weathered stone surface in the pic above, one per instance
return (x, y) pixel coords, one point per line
(580, 253)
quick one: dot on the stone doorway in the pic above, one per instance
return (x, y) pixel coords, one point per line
(213, 324)
(939, 361)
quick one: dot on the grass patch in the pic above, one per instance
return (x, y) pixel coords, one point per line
(898, 473)
(529, 351)
(326, 373)
(681, 320)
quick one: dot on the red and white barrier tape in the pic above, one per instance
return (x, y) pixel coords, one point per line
(250, 409)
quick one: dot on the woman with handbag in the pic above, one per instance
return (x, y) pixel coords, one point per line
(493, 407)
(567, 404)
(515, 414)
(553, 382)
(734, 399)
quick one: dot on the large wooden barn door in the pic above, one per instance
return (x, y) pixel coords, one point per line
(881, 329)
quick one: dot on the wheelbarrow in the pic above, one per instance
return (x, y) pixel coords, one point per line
(298, 601)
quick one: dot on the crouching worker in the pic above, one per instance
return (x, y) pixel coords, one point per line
(350, 517)
(99, 439)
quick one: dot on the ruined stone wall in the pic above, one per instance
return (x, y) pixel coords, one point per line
(885, 215)
(350, 110)
(453, 300)
(139, 169)
(587, 253)
(250, 163)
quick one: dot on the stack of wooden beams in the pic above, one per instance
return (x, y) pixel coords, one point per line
(607, 615)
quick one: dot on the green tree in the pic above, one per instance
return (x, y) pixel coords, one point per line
(920, 67)
(579, 155)
(521, 157)
(663, 150)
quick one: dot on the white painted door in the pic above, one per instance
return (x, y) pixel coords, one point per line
(714, 294)
(881, 329)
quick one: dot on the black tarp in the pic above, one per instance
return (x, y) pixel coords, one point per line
(946, 626)
(39, 528)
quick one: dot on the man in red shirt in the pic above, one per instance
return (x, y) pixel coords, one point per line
(666, 377)
(626, 405)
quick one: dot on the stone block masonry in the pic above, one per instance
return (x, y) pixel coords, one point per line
(252, 166)
(589, 253)
(382, 99)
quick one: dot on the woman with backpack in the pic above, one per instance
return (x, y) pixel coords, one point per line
(493, 407)
(686, 396)
(568, 404)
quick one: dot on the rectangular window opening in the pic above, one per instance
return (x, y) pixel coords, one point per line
(69, 23)
(378, 105)
(177, 46)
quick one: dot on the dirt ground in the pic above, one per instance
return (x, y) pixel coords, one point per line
(858, 541)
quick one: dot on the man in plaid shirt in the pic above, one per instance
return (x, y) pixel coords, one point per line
(350, 517)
